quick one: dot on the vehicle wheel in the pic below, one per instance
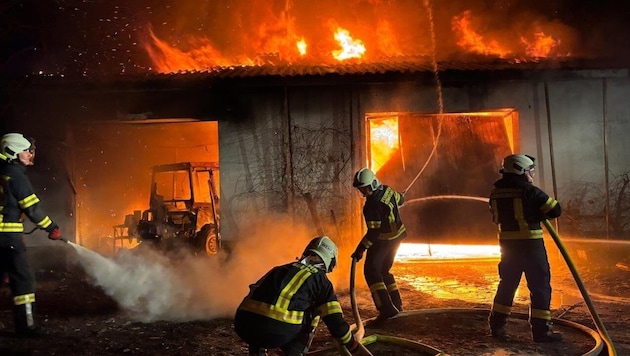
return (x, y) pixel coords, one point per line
(208, 240)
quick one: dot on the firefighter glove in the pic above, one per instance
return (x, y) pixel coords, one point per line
(358, 253)
(55, 234)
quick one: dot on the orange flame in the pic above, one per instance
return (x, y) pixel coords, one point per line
(301, 46)
(351, 48)
(383, 140)
(168, 59)
(541, 46)
(471, 40)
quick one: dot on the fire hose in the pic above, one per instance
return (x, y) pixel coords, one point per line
(421, 348)
(35, 228)
(425, 349)
(587, 299)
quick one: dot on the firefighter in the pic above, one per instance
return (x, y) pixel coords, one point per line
(385, 232)
(518, 207)
(18, 199)
(283, 307)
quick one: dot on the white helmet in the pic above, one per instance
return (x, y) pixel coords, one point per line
(364, 178)
(13, 143)
(517, 164)
(323, 247)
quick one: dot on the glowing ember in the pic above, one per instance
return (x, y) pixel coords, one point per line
(441, 251)
(351, 48)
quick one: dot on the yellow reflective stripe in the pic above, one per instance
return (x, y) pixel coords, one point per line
(540, 314)
(28, 201)
(289, 290)
(373, 224)
(519, 235)
(392, 287)
(24, 299)
(45, 222)
(329, 308)
(272, 311)
(11, 227)
(392, 235)
(366, 243)
(346, 337)
(519, 215)
(500, 308)
(549, 204)
(387, 200)
(377, 286)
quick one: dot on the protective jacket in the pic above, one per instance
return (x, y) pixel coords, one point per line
(18, 197)
(283, 304)
(518, 207)
(382, 216)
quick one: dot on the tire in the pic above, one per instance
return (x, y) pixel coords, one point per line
(208, 240)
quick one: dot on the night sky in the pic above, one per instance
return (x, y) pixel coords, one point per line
(91, 38)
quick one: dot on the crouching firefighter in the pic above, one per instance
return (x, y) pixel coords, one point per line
(17, 199)
(283, 307)
(517, 208)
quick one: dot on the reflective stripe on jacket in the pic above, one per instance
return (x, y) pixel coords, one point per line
(518, 207)
(382, 216)
(17, 197)
(294, 294)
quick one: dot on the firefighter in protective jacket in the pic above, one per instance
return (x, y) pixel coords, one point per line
(385, 232)
(17, 199)
(518, 207)
(284, 307)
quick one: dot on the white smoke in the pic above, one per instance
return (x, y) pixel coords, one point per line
(150, 286)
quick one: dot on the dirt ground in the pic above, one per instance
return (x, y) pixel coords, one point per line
(446, 305)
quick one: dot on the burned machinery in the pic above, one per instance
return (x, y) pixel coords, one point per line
(183, 208)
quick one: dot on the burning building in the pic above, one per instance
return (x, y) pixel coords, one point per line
(290, 109)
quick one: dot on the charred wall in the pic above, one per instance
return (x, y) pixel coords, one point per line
(290, 146)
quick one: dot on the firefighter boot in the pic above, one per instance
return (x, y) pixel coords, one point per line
(24, 321)
(497, 322)
(384, 305)
(394, 295)
(542, 331)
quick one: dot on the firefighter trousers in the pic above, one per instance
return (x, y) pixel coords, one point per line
(527, 256)
(378, 263)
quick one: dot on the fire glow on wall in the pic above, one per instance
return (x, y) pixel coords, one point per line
(445, 164)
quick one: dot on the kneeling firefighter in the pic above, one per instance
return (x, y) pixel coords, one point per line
(283, 307)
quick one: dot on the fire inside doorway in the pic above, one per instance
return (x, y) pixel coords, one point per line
(445, 164)
(110, 165)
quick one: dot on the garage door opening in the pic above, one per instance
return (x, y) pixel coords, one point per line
(110, 166)
(446, 163)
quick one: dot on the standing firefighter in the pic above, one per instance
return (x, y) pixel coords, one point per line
(385, 232)
(518, 207)
(283, 308)
(18, 199)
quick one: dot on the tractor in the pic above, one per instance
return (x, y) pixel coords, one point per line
(183, 208)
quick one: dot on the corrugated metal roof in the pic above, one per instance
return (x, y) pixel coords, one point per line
(401, 65)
